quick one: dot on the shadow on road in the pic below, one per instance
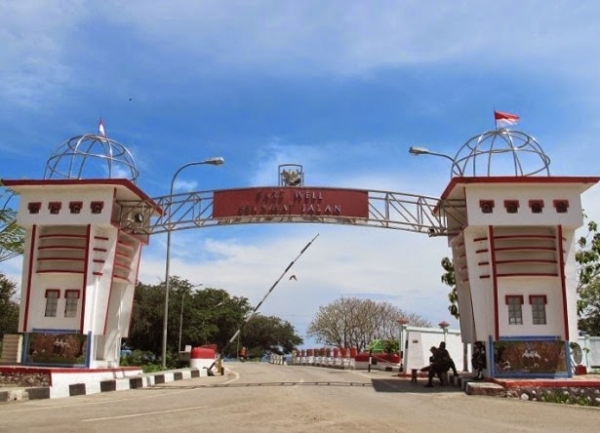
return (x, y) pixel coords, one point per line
(379, 385)
(404, 385)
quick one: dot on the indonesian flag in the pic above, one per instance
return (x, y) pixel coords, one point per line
(101, 128)
(505, 119)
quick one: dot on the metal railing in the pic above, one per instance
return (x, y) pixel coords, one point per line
(391, 210)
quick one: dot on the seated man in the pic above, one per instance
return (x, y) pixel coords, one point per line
(433, 351)
(445, 355)
(438, 365)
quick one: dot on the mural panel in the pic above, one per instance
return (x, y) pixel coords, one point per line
(532, 358)
(56, 349)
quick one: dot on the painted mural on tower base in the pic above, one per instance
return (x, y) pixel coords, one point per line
(65, 349)
(530, 358)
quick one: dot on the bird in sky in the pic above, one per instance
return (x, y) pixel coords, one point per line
(293, 277)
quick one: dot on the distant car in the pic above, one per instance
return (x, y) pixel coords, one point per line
(125, 351)
(267, 358)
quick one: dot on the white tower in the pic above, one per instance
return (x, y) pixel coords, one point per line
(81, 255)
(513, 249)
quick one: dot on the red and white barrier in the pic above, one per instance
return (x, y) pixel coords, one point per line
(202, 357)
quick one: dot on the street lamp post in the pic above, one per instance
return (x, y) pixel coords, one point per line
(416, 150)
(444, 325)
(211, 161)
(181, 316)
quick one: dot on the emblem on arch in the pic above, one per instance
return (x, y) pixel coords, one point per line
(291, 175)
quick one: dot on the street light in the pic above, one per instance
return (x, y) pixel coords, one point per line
(181, 316)
(416, 150)
(211, 161)
(444, 325)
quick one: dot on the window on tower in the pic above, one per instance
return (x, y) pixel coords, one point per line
(52, 296)
(512, 206)
(96, 206)
(75, 206)
(537, 206)
(561, 206)
(34, 208)
(54, 207)
(71, 303)
(515, 309)
(538, 309)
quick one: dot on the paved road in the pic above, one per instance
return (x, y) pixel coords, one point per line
(259, 397)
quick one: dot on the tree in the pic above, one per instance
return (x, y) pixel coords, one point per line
(212, 316)
(269, 334)
(354, 322)
(11, 235)
(588, 258)
(208, 316)
(9, 309)
(588, 307)
(449, 278)
(145, 331)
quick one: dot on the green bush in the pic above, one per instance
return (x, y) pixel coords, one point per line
(391, 346)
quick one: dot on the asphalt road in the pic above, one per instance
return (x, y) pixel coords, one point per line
(260, 397)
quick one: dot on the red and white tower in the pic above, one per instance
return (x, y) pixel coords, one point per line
(81, 256)
(513, 248)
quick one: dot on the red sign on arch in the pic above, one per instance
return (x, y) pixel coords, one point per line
(306, 202)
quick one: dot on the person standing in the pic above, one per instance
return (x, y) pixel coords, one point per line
(478, 359)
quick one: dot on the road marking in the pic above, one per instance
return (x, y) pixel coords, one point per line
(237, 377)
(135, 415)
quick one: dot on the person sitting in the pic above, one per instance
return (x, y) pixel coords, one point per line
(445, 355)
(433, 351)
(438, 365)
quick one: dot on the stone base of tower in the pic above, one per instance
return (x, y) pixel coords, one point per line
(61, 349)
(27, 376)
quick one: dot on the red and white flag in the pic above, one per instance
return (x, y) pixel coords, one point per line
(101, 128)
(505, 119)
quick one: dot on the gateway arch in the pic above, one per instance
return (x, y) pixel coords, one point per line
(511, 233)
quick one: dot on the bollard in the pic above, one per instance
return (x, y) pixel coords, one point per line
(413, 375)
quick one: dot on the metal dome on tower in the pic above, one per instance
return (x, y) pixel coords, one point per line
(91, 156)
(501, 152)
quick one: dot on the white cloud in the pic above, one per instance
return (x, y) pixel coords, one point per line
(400, 267)
(40, 53)
(184, 185)
(35, 39)
(354, 37)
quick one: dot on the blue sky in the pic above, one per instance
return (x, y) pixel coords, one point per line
(343, 88)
